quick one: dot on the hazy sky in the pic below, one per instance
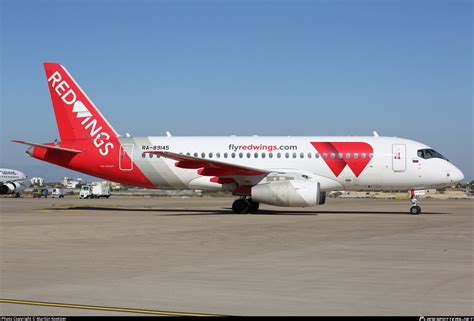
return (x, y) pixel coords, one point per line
(403, 68)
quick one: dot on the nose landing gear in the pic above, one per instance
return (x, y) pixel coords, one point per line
(244, 206)
(415, 209)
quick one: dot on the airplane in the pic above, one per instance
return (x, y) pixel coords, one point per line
(280, 171)
(12, 182)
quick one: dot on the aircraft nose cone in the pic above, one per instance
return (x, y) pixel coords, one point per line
(456, 175)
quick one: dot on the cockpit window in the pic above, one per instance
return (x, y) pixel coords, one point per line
(430, 153)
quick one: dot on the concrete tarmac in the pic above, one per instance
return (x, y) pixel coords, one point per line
(348, 257)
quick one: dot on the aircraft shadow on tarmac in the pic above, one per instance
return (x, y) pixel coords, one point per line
(228, 211)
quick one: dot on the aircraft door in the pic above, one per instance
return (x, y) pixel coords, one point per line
(126, 157)
(399, 157)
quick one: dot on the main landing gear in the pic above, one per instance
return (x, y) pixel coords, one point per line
(244, 206)
(415, 209)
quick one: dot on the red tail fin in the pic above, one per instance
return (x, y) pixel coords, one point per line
(76, 115)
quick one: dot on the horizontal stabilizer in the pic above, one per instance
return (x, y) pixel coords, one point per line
(53, 147)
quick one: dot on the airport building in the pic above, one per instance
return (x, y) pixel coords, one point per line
(71, 183)
(37, 181)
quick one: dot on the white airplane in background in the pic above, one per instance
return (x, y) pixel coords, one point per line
(12, 181)
(281, 171)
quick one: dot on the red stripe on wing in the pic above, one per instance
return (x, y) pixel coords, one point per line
(207, 167)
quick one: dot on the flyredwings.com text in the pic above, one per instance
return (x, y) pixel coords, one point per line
(261, 147)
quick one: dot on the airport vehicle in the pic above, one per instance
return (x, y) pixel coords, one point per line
(57, 192)
(40, 192)
(281, 171)
(94, 191)
(12, 182)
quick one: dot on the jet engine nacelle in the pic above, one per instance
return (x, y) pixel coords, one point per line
(297, 193)
(8, 188)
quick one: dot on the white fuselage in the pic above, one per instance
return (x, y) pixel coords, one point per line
(392, 164)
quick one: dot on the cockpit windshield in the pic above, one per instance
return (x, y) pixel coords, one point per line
(430, 153)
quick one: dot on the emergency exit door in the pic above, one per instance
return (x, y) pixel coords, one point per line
(399, 157)
(126, 157)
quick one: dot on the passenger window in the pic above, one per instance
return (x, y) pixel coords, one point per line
(278, 155)
(210, 155)
(233, 155)
(294, 155)
(150, 155)
(225, 155)
(270, 155)
(287, 155)
(316, 155)
(339, 155)
(255, 155)
(309, 155)
(371, 155)
(248, 155)
(348, 155)
(143, 155)
(302, 155)
(333, 155)
(241, 155)
(189, 154)
(325, 155)
(218, 155)
(263, 155)
(195, 154)
(356, 155)
(203, 155)
(363, 155)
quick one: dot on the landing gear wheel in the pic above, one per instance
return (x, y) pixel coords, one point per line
(240, 206)
(253, 207)
(245, 206)
(415, 210)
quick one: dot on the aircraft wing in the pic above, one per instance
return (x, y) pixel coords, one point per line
(53, 147)
(207, 167)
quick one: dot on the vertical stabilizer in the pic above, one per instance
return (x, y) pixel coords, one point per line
(76, 115)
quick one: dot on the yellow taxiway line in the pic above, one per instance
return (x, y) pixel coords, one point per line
(103, 308)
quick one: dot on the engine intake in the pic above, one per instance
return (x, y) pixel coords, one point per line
(8, 188)
(297, 193)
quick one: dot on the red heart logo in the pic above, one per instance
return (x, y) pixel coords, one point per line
(352, 155)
